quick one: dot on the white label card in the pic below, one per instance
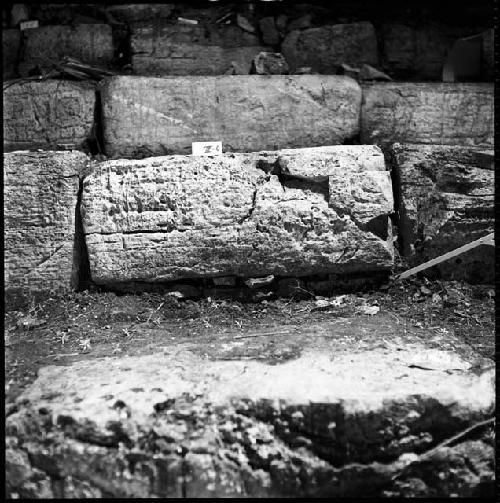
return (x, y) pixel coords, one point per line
(207, 147)
(26, 25)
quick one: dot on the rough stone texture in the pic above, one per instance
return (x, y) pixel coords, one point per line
(446, 201)
(11, 40)
(448, 114)
(322, 423)
(167, 218)
(184, 49)
(325, 49)
(149, 116)
(54, 114)
(90, 43)
(270, 63)
(40, 198)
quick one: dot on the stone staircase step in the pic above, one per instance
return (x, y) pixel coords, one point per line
(213, 421)
(291, 213)
(153, 116)
(448, 114)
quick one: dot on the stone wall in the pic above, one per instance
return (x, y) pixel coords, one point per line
(407, 41)
(278, 207)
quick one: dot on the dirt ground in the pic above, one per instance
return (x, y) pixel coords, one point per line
(91, 325)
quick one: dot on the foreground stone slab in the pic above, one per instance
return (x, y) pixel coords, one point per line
(180, 49)
(150, 116)
(449, 114)
(187, 423)
(446, 201)
(54, 114)
(40, 198)
(325, 49)
(11, 43)
(288, 213)
(90, 43)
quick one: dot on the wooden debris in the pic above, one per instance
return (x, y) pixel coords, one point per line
(485, 240)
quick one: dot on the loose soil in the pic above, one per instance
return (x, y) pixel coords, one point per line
(86, 325)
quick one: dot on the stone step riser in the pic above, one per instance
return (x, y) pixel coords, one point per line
(142, 117)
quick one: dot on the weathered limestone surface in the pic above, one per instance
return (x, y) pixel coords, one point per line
(325, 49)
(90, 43)
(323, 423)
(152, 116)
(183, 49)
(40, 197)
(54, 114)
(446, 201)
(460, 114)
(11, 41)
(306, 212)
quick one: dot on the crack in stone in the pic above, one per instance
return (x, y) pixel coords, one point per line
(252, 208)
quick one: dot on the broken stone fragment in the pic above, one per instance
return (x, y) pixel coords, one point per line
(251, 113)
(18, 14)
(244, 23)
(446, 201)
(367, 72)
(270, 63)
(304, 70)
(446, 114)
(259, 282)
(166, 218)
(349, 71)
(327, 47)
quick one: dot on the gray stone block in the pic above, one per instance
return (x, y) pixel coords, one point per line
(150, 116)
(460, 114)
(40, 198)
(446, 201)
(51, 114)
(178, 217)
